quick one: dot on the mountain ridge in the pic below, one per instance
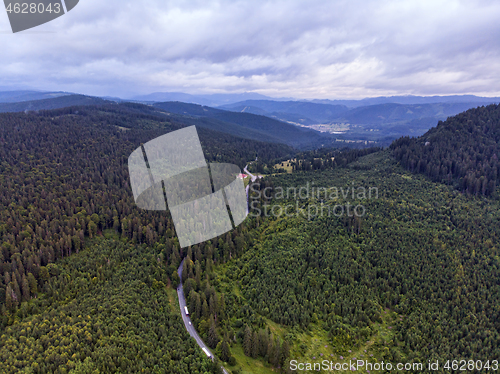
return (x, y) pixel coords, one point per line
(265, 128)
(208, 99)
(52, 103)
(15, 96)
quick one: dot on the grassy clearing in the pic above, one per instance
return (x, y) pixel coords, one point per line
(313, 345)
(248, 365)
(287, 165)
(172, 298)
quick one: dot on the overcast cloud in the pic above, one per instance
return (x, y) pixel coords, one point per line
(302, 49)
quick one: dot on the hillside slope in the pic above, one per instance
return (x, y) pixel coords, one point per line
(120, 318)
(464, 151)
(414, 278)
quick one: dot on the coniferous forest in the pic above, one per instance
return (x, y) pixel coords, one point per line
(462, 151)
(64, 181)
(88, 280)
(415, 278)
(105, 310)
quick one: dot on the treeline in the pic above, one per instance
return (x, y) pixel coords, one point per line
(462, 151)
(104, 310)
(64, 178)
(263, 344)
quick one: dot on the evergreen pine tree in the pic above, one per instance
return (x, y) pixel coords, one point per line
(247, 341)
(255, 344)
(225, 352)
(212, 339)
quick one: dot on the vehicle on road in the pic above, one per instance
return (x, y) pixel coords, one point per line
(206, 352)
(186, 311)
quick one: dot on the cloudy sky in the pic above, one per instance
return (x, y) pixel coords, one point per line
(302, 49)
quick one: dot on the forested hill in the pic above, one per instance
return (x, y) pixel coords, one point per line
(462, 151)
(65, 183)
(64, 177)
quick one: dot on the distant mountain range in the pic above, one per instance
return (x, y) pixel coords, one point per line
(410, 99)
(368, 122)
(217, 100)
(301, 124)
(213, 100)
(370, 119)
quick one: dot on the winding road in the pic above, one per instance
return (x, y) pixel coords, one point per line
(182, 300)
(253, 178)
(187, 320)
(251, 175)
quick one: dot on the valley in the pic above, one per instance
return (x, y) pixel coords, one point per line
(250, 187)
(88, 278)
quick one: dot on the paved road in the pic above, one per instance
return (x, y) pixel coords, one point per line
(189, 327)
(182, 300)
(253, 178)
(251, 175)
